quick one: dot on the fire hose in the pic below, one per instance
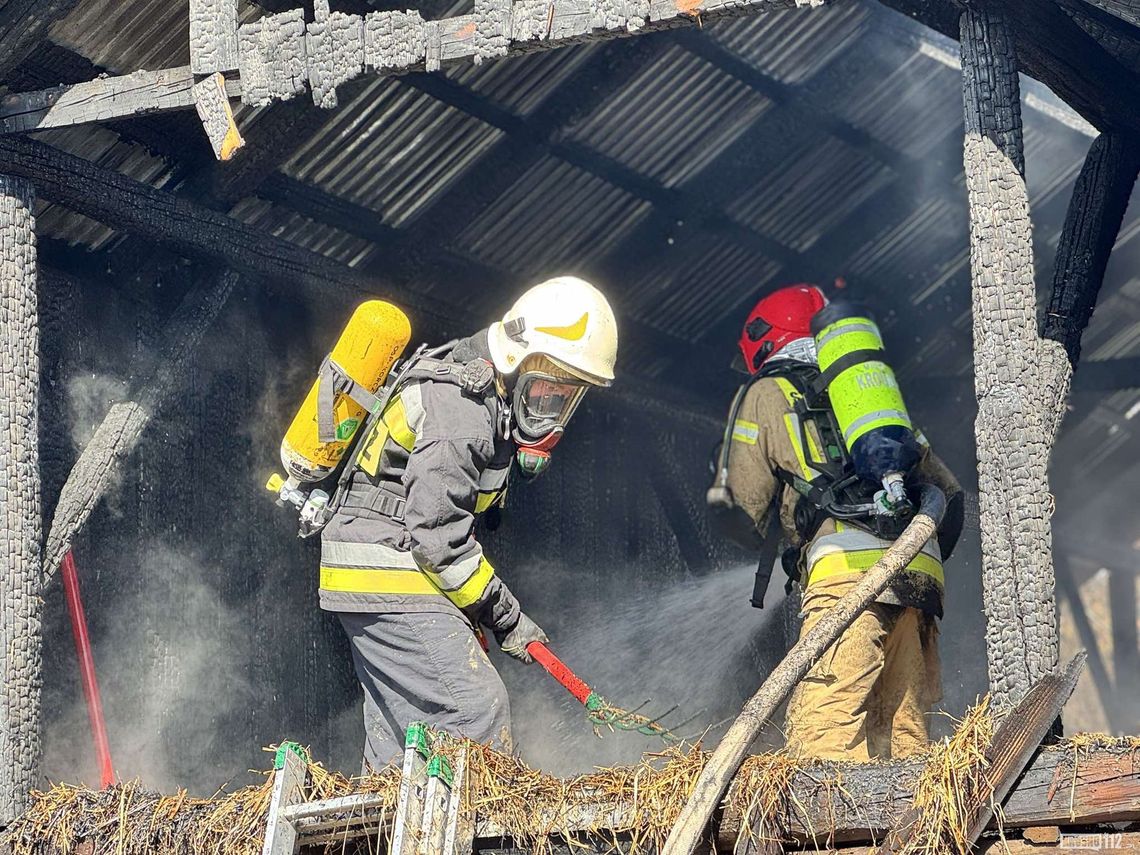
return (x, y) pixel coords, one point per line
(714, 779)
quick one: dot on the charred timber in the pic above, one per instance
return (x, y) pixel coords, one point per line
(1092, 223)
(1014, 370)
(20, 623)
(849, 803)
(279, 56)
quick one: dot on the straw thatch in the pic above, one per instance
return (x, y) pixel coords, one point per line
(631, 807)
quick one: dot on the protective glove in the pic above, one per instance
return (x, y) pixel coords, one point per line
(515, 641)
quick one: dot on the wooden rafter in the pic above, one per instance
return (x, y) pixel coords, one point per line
(280, 54)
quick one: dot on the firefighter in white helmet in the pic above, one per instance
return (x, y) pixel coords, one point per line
(400, 564)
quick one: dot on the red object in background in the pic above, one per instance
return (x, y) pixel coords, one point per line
(558, 670)
(87, 670)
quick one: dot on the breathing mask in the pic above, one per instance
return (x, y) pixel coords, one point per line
(544, 398)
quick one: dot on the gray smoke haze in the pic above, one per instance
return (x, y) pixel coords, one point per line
(89, 396)
(191, 682)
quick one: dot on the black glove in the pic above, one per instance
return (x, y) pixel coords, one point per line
(514, 641)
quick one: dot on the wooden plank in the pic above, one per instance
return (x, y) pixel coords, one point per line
(279, 54)
(102, 99)
(861, 800)
(217, 116)
(1105, 786)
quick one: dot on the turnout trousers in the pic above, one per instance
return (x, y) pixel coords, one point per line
(868, 696)
(424, 666)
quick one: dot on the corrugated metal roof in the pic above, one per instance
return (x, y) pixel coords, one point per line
(648, 124)
(127, 36)
(524, 230)
(393, 149)
(896, 110)
(522, 84)
(688, 296)
(802, 197)
(934, 231)
(791, 45)
(294, 228)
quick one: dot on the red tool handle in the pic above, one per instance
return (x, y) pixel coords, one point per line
(558, 670)
(87, 670)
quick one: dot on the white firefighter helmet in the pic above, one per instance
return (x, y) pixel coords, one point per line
(565, 319)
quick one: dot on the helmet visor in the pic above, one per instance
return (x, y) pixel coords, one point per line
(544, 402)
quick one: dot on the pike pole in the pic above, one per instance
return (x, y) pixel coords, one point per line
(602, 713)
(87, 670)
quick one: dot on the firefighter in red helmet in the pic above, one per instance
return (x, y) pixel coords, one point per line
(784, 476)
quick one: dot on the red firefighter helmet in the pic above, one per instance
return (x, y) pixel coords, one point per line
(780, 317)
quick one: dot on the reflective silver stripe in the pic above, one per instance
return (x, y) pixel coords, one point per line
(378, 555)
(455, 576)
(490, 480)
(855, 540)
(413, 407)
(845, 327)
(873, 416)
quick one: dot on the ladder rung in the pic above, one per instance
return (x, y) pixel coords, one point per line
(342, 804)
(319, 824)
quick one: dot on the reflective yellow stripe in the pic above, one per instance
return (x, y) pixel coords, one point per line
(840, 563)
(473, 588)
(792, 423)
(791, 395)
(357, 580)
(369, 457)
(844, 336)
(745, 431)
(397, 420)
(486, 500)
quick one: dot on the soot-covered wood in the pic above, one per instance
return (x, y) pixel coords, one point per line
(1013, 369)
(20, 631)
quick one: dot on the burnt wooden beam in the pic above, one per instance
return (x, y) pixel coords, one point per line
(123, 203)
(1092, 223)
(20, 557)
(1013, 441)
(103, 99)
(278, 56)
(1060, 787)
(1056, 52)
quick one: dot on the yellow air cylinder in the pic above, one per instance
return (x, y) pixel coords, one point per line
(371, 342)
(864, 393)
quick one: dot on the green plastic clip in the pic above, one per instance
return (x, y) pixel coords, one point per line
(283, 749)
(438, 767)
(417, 737)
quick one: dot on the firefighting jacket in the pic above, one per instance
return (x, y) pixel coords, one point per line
(766, 437)
(402, 538)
